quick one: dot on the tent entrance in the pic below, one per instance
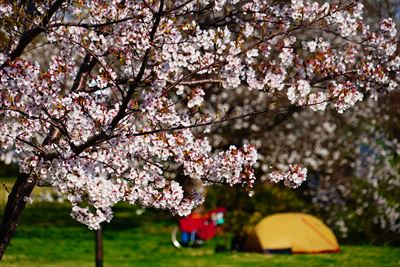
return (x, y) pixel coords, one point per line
(279, 251)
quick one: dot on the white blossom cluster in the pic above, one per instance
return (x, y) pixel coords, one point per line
(293, 177)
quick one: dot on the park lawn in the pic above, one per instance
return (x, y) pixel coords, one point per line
(47, 236)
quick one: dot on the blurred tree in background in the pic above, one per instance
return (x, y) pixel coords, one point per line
(353, 161)
(353, 181)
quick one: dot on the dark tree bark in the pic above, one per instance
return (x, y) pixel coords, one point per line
(13, 210)
(98, 234)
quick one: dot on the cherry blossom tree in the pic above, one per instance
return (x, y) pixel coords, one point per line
(353, 165)
(105, 100)
(357, 169)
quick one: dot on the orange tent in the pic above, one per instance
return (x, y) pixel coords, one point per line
(291, 233)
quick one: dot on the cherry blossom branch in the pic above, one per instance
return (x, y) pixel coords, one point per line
(197, 82)
(87, 65)
(29, 35)
(132, 86)
(88, 25)
(196, 125)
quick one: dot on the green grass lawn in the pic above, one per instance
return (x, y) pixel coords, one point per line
(47, 236)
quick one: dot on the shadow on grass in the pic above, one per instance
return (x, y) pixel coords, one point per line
(58, 215)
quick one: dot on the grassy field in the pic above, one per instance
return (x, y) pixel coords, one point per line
(47, 236)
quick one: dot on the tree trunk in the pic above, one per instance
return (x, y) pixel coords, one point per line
(13, 210)
(99, 247)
